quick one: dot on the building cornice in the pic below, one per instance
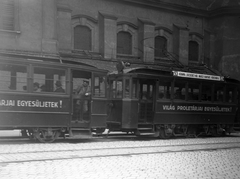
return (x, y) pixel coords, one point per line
(78, 16)
(176, 8)
(196, 34)
(146, 21)
(167, 7)
(128, 23)
(164, 28)
(232, 11)
(108, 15)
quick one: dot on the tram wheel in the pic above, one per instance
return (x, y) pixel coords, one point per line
(191, 135)
(46, 135)
(24, 133)
(163, 134)
(27, 133)
(216, 133)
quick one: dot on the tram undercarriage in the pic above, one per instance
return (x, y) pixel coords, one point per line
(165, 131)
(162, 131)
(193, 130)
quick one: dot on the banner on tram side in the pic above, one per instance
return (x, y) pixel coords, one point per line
(197, 76)
(195, 108)
(33, 103)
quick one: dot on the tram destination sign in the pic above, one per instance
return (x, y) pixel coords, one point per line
(197, 76)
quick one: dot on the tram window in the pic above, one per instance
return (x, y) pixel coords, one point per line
(206, 92)
(81, 81)
(144, 93)
(180, 90)
(229, 95)
(119, 89)
(99, 86)
(164, 90)
(150, 92)
(134, 88)
(112, 88)
(49, 80)
(13, 77)
(193, 91)
(218, 93)
(127, 88)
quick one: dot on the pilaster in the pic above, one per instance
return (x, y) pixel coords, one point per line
(180, 43)
(146, 36)
(107, 35)
(64, 26)
(49, 42)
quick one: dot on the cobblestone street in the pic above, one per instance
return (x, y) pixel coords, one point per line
(186, 162)
(217, 164)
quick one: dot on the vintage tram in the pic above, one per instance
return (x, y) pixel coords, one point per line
(40, 97)
(171, 101)
(50, 97)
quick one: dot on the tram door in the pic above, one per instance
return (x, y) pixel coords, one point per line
(81, 97)
(146, 100)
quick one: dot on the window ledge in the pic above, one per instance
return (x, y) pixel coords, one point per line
(9, 31)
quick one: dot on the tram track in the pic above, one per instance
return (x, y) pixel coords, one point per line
(114, 148)
(48, 155)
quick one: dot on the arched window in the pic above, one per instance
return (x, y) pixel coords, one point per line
(160, 46)
(82, 38)
(193, 51)
(124, 43)
(7, 14)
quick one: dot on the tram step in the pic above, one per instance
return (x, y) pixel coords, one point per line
(145, 131)
(146, 134)
(80, 133)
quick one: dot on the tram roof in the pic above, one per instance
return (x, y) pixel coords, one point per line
(156, 71)
(166, 69)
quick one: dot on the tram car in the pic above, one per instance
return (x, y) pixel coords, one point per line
(48, 98)
(170, 101)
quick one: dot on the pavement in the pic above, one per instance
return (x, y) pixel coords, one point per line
(78, 160)
(210, 164)
(197, 165)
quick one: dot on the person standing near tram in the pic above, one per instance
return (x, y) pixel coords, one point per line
(82, 102)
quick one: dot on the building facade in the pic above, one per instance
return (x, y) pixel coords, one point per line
(100, 32)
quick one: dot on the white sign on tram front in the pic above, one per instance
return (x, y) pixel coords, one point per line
(197, 76)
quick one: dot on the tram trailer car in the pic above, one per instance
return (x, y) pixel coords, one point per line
(42, 98)
(169, 102)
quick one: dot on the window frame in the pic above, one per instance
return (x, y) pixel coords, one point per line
(165, 80)
(15, 24)
(191, 82)
(190, 49)
(50, 68)
(89, 39)
(94, 75)
(27, 77)
(185, 87)
(165, 46)
(129, 51)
